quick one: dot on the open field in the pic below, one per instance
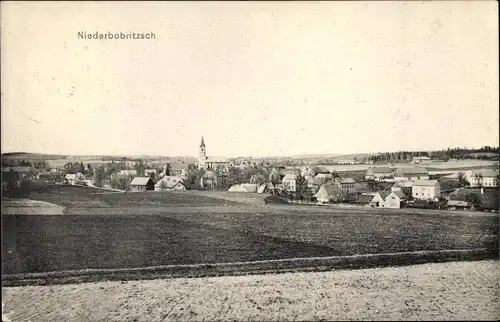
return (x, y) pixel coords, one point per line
(152, 229)
(445, 291)
(450, 165)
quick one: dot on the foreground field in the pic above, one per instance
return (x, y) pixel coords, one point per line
(155, 229)
(449, 291)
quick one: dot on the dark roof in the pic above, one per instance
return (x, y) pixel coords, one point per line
(384, 193)
(400, 194)
(380, 170)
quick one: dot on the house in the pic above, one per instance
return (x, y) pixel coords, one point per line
(266, 188)
(403, 186)
(249, 187)
(459, 205)
(346, 185)
(379, 174)
(420, 160)
(142, 184)
(328, 193)
(70, 178)
(426, 189)
(310, 180)
(483, 178)
(208, 180)
(394, 199)
(363, 199)
(168, 183)
(148, 172)
(290, 181)
(378, 199)
(236, 188)
(411, 174)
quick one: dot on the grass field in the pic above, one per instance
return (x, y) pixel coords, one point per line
(117, 230)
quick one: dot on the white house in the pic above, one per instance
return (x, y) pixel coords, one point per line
(426, 189)
(411, 174)
(483, 178)
(327, 193)
(70, 178)
(379, 198)
(290, 182)
(379, 174)
(394, 199)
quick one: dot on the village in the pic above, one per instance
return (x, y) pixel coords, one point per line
(409, 186)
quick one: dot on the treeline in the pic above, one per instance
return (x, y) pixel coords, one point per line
(490, 153)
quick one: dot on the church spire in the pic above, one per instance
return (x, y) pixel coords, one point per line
(202, 142)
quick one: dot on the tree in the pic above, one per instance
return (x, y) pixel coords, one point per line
(90, 170)
(99, 176)
(479, 179)
(140, 167)
(462, 180)
(168, 169)
(121, 182)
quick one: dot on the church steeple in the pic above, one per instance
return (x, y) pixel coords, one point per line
(202, 144)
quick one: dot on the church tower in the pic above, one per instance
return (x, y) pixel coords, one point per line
(203, 154)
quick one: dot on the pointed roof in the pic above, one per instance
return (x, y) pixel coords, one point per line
(202, 142)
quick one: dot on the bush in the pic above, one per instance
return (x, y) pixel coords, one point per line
(275, 200)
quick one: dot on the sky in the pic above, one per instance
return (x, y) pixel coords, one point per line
(252, 78)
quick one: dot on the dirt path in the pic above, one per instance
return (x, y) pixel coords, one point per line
(30, 207)
(450, 291)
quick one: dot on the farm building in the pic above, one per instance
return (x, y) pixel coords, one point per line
(142, 184)
(459, 205)
(168, 183)
(178, 168)
(328, 192)
(411, 174)
(379, 174)
(426, 189)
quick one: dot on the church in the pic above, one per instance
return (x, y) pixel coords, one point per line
(210, 163)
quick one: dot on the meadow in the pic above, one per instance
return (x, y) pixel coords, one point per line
(155, 229)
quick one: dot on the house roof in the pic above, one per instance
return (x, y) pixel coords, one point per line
(425, 183)
(236, 188)
(140, 181)
(70, 176)
(168, 182)
(403, 184)
(290, 176)
(329, 188)
(458, 203)
(362, 187)
(400, 194)
(381, 170)
(347, 180)
(411, 171)
(249, 187)
(384, 193)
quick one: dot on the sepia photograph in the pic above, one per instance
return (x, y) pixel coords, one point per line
(250, 160)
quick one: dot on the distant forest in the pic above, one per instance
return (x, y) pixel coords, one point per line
(484, 153)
